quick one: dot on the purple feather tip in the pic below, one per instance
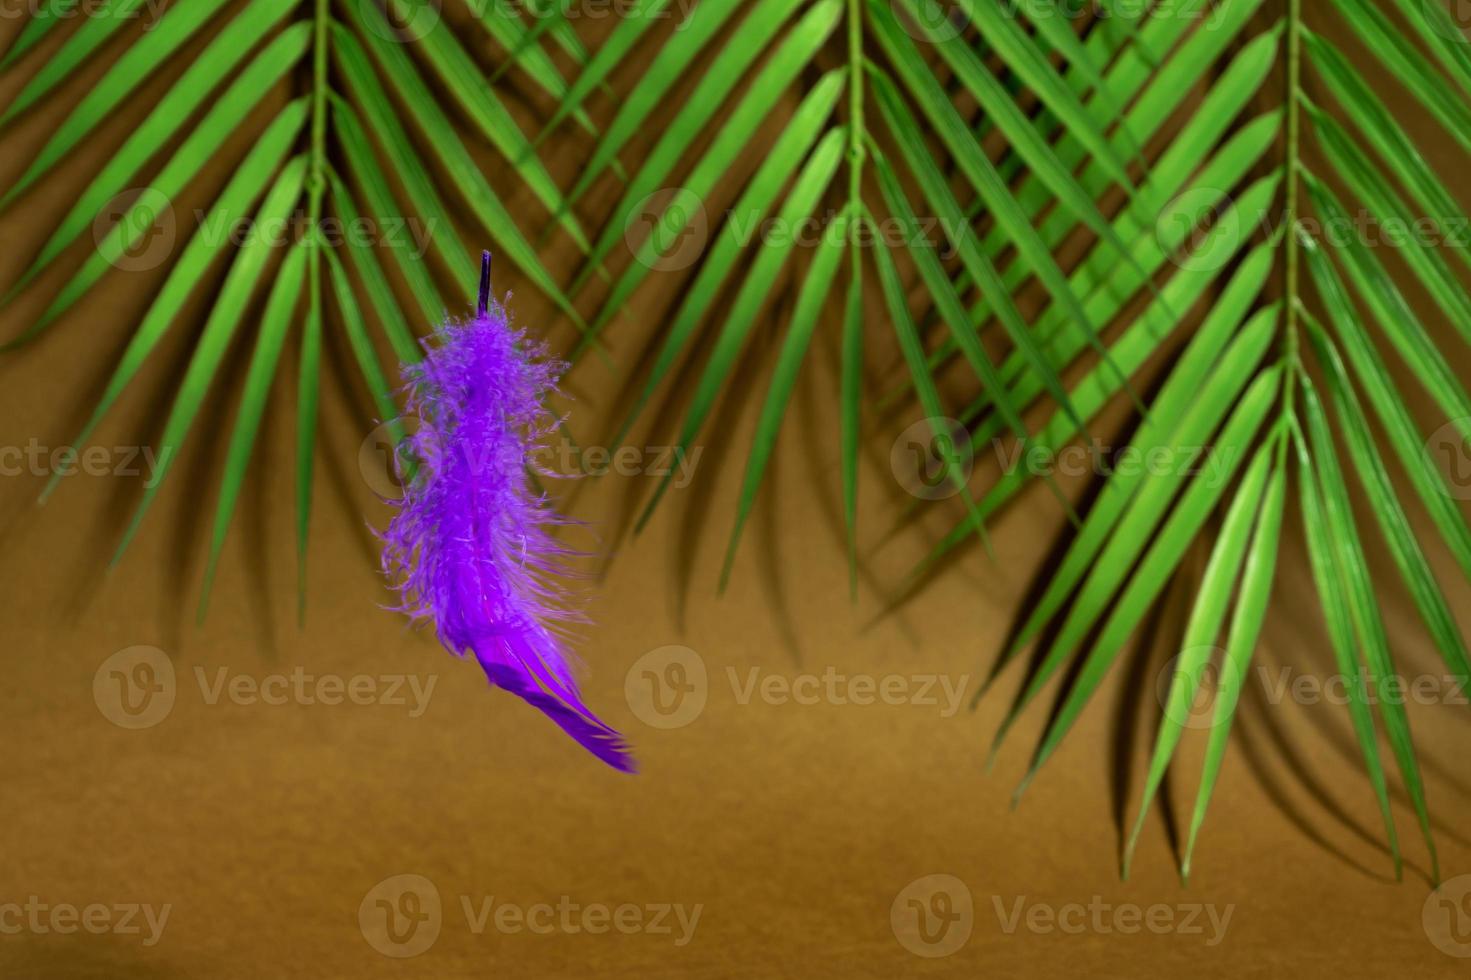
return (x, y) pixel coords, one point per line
(471, 547)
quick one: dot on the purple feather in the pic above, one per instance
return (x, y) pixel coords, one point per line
(471, 547)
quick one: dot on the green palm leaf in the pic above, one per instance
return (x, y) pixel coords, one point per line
(352, 56)
(1181, 243)
(785, 42)
(1048, 207)
(1127, 545)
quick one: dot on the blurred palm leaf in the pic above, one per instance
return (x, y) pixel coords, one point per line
(371, 73)
(1135, 140)
(917, 97)
(777, 42)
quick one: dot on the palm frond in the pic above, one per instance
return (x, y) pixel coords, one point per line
(1127, 544)
(1109, 193)
(351, 56)
(775, 42)
(1182, 242)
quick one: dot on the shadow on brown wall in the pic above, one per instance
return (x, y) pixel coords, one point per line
(796, 828)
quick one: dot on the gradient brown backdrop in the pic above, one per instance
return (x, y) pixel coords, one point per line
(793, 827)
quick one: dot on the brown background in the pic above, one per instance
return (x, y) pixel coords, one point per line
(794, 827)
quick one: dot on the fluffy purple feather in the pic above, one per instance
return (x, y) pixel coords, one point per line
(471, 547)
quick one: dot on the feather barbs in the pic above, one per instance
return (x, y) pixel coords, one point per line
(472, 548)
